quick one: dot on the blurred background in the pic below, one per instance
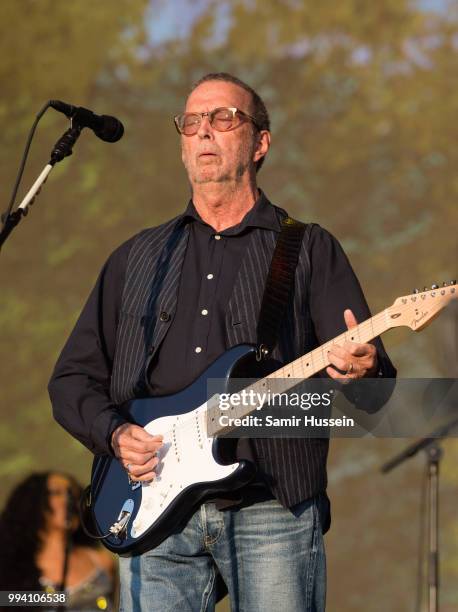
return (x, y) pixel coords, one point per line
(363, 98)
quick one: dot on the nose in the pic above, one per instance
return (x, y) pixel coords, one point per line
(205, 129)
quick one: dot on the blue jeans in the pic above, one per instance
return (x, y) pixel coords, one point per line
(269, 558)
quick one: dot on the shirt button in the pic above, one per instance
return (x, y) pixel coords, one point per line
(204, 312)
(217, 237)
(209, 276)
(198, 349)
(164, 316)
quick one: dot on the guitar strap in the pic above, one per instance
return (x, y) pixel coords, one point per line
(279, 285)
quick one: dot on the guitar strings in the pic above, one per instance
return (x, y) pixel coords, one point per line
(382, 317)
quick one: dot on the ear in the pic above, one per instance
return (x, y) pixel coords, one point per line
(262, 145)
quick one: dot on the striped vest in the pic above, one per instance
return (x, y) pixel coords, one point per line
(294, 467)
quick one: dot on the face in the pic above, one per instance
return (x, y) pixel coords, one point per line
(217, 157)
(58, 487)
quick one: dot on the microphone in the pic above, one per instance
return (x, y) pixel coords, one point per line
(105, 127)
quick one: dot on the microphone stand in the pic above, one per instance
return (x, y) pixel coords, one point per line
(62, 148)
(434, 454)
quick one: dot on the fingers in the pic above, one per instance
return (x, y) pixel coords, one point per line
(132, 444)
(341, 377)
(348, 350)
(345, 358)
(137, 451)
(351, 360)
(343, 362)
(137, 458)
(142, 471)
(344, 365)
(352, 349)
(359, 350)
(339, 357)
(129, 437)
(350, 319)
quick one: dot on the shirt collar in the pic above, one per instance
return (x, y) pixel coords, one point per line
(263, 214)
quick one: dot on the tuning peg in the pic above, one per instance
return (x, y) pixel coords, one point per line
(425, 288)
(445, 284)
(434, 286)
(453, 282)
(416, 291)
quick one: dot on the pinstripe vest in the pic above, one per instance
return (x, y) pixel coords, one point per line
(294, 467)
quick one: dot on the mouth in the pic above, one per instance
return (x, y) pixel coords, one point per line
(207, 158)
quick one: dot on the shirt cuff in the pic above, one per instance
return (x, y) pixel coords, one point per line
(102, 428)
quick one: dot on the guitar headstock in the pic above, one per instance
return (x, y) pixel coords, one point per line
(421, 307)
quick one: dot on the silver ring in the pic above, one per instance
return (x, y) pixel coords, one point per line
(128, 468)
(350, 369)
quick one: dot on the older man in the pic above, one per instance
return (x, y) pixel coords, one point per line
(167, 303)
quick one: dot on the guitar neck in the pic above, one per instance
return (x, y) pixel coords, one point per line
(287, 376)
(317, 360)
(415, 311)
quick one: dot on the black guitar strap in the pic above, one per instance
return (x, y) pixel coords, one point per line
(279, 285)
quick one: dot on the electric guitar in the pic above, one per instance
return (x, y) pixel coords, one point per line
(132, 517)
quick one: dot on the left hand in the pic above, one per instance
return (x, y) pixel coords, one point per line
(351, 360)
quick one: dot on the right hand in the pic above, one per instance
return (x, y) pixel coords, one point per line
(136, 448)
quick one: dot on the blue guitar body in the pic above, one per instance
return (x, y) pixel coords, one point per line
(193, 467)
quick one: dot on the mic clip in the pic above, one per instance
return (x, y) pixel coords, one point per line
(63, 147)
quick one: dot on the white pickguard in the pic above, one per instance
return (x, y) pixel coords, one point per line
(185, 459)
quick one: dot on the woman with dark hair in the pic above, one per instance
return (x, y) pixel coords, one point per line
(35, 523)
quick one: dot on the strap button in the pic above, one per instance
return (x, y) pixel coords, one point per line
(164, 316)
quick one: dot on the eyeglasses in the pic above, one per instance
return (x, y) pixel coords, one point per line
(221, 119)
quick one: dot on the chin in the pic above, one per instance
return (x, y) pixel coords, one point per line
(211, 177)
(205, 178)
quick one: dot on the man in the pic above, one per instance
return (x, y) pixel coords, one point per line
(167, 303)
